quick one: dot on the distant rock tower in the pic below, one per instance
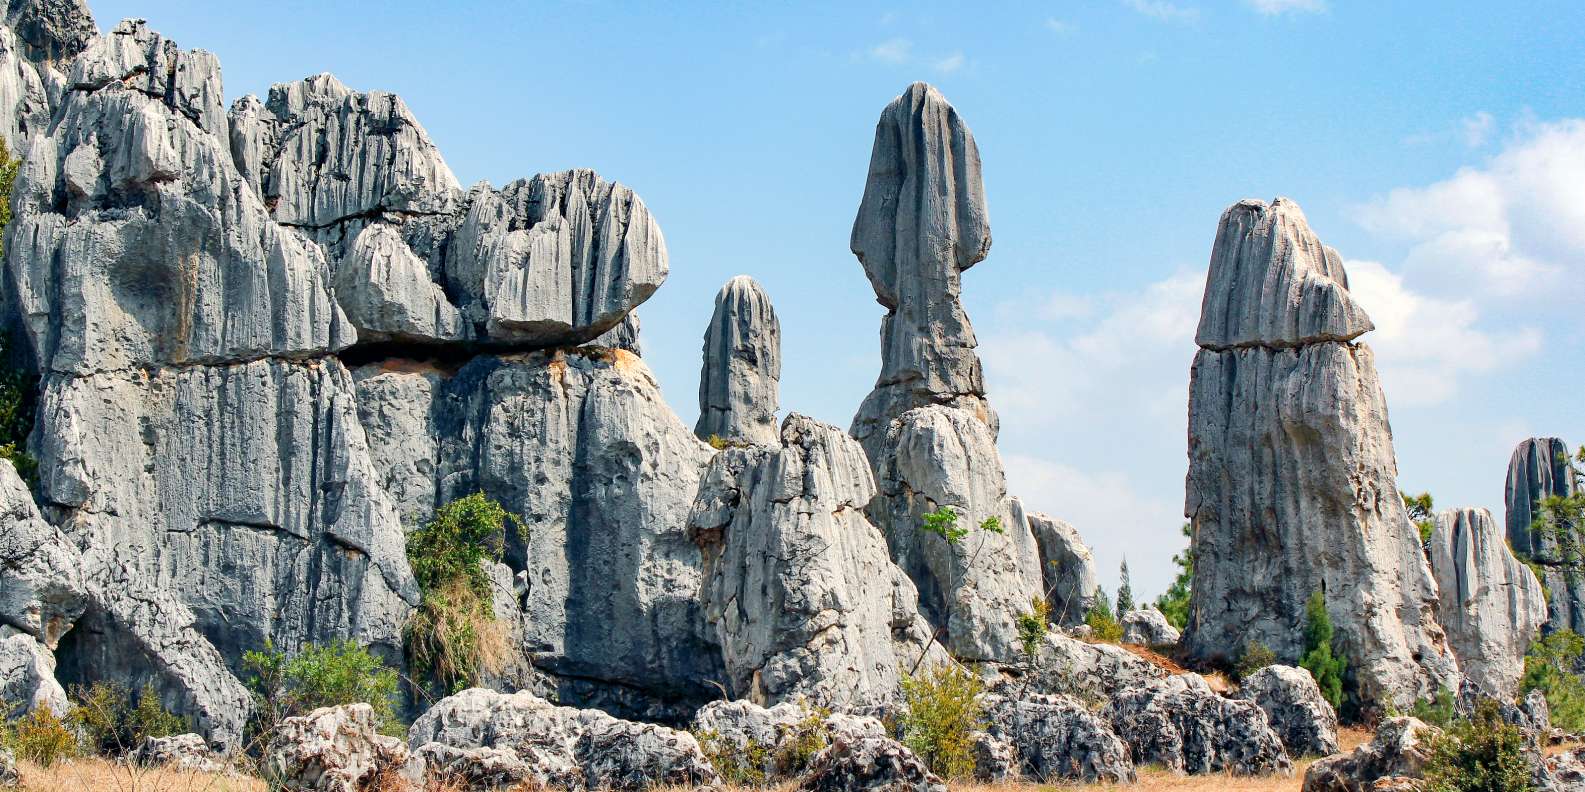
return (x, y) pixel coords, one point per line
(928, 431)
(1539, 469)
(1492, 605)
(1292, 481)
(742, 366)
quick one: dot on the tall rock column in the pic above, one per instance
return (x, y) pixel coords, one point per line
(742, 366)
(1540, 469)
(928, 431)
(1491, 605)
(1292, 479)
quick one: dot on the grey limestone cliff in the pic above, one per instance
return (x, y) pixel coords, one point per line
(1492, 605)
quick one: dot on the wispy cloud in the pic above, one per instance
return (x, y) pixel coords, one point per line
(1277, 7)
(894, 50)
(1477, 129)
(1060, 26)
(1164, 10)
(950, 63)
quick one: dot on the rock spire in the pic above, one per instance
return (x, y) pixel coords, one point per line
(1492, 605)
(742, 366)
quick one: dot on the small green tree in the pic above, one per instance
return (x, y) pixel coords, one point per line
(943, 523)
(1318, 658)
(42, 738)
(1548, 667)
(942, 713)
(1033, 625)
(1174, 603)
(1125, 591)
(329, 675)
(453, 636)
(1481, 754)
(1103, 624)
(113, 721)
(1421, 512)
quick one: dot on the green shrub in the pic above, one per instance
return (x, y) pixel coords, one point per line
(1174, 602)
(329, 675)
(1318, 659)
(1482, 754)
(113, 721)
(42, 738)
(738, 766)
(1548, 667)
(1421, 512)
(1103, 625)
(1255, 657)
(1439, 712)
(1033, 625)
(454, 637)
(941, 713)
(800, 742)
(943, 522)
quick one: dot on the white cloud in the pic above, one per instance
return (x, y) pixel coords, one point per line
(1276, 7)
(1477, 129)
(1059, 26)
(950, 64)
(1424, 345)
(1164, 10)
(1512, 228)
(894, 50)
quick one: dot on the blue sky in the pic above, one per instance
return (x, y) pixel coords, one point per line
(1438, 146)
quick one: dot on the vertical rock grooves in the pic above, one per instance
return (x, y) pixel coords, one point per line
(738, 381)
(1491, 605)
(1292, 478)
(1540, 469)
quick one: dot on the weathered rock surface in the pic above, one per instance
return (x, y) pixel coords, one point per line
(745, 730)
(186, 752)
(1093, 673)
(566, 747)
(582, 445)
(1066, 567)
(484, 768)
(27, 678)
(1540, 469)
(738, 383)
(42, 592)
(1055, 738)
(1295, 709)
(800, 592)
(1492, 606)
(37, 42)
(335, 749)
(995, 759)
(1148, 627)
(1182, 724)
(1290, 452)
(869, 764)
(1400, 748)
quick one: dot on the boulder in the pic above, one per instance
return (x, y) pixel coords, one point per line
(1182, 724)
(995, 759)
(336, 749)
(1092, 673)
(1067, 569)
(779, 737)
(27, 678)
(565, 747)
(1491, 604)
(799, 589)
(1295, 709)
(869, 764)
(1055, 738)
(742, 366)
(1400, 748)
(10, 776)
(487, 769)
(185, 752)
(42, 592)
(1292, 479)
(1147, 627)
(926, 427)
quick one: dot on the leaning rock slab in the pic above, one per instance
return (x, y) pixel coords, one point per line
(1147, 627)
(1400, 748)
(27, 678)
(579, 749)
(42, 592)
(1067, 569)
(1491, 605)
(1295, 708)
(1290, 453)
(738, 383)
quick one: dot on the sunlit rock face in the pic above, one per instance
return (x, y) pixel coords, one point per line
(1491, 605)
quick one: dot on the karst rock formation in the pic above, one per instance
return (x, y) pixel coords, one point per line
(1539, 469)
(741, 372)
(1292, 479)
(1491, 604)
(927, 427)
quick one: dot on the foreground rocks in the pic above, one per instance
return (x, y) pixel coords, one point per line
(1491, 605)
(336, 749)
(869, 764)
(185, 752)
(1295, 709)
(1400, 748)
(1055, 738)
(483, 732)
(1290, 452)
(1183, 725)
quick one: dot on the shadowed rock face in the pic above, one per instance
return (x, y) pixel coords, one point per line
(1539, 470)
(742, 366)
(926, 427)
(1491, 604)
(1067, 569)
(1292, 479)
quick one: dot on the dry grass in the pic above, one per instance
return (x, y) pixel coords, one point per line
(101, 775)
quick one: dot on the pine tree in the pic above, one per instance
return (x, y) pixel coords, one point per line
(1318, 659)
(1125, 593)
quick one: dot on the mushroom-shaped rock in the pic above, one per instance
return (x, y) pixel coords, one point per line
(1067, 568)
(1400, 748)
(1292, 484)
(1148, 627)
(742, 366)
(1492, 605)
(1295, 708)
(799, 589)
